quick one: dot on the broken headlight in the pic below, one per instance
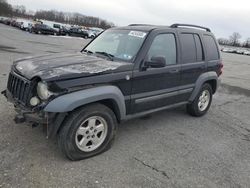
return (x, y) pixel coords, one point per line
(42, 91)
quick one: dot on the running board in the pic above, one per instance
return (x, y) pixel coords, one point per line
(128, 117)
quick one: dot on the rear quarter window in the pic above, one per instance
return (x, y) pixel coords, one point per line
(211, 48)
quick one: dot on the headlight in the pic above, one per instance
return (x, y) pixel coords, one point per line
(42, 91)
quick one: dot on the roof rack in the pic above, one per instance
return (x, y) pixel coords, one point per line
(140, 25)
(190, 25)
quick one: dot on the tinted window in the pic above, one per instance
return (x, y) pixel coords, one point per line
(188, 48)
(211, 47)
(164, 45)
(199, 50)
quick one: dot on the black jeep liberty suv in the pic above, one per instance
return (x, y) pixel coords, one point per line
(125, 72)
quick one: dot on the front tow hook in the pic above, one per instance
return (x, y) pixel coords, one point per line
(19, 119)
(4, 92)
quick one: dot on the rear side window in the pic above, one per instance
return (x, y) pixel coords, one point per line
(188, 49)
(199, 50)
(191, 48)
(211, 48)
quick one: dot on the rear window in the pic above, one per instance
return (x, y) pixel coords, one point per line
(211, 48)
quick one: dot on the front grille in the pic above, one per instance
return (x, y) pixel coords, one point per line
(19, 87)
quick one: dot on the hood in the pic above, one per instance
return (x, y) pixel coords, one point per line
(65, 66)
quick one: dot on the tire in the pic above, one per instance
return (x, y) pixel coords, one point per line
(196, 108)
(77, 135)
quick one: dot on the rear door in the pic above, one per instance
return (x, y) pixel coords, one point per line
(192, 61)
(157, 87)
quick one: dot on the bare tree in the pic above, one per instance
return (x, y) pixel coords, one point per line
(223, 41)
(5, 8)
(54, 15)
(234, 38)
(246, 44)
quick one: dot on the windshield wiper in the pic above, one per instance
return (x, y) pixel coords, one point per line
(87, 51)
(110, 56)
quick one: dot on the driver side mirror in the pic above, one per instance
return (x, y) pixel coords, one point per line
(156, 62)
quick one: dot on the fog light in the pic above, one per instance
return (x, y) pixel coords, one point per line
(34, 101)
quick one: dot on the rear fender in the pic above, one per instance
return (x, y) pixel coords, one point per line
(201, 80)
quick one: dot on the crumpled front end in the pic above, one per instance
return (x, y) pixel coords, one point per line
(20, 92)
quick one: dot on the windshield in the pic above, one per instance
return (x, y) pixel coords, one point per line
(120, 44)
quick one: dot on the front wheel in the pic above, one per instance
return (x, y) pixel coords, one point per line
(87, 132)
(202, 102)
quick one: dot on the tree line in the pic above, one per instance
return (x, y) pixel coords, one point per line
(234, 40)
(9, 10)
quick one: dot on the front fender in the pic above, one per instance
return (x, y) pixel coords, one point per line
(71, 101)
(201, 80)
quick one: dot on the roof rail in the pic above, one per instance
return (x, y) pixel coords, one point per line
(190, 25)
(140, 25)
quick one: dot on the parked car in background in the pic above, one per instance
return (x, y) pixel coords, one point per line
(7, 21)
(91, 34)
(26, 25)
(247, 53)
(2, 19)
(78, 32)
(64, 31)
(43, 29)
(96, 30)
(57, 27)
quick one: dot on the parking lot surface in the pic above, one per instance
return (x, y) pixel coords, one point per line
(167, 149)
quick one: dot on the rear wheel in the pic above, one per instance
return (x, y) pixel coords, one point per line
(87, 132)
(202, 102)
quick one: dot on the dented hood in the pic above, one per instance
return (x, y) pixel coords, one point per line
(62, 66)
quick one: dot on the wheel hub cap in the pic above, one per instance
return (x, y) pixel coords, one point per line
(91, 133)
(204, 100)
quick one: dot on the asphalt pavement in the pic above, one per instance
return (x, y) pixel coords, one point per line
(166, 149)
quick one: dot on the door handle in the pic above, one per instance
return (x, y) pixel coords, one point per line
(173, 71)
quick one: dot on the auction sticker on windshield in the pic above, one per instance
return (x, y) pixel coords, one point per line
(137, 34)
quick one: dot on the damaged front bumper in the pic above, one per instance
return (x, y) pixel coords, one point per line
(36, 117)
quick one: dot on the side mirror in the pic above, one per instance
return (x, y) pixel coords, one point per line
(156, 62)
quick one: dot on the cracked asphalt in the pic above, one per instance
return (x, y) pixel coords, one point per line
(166, 149)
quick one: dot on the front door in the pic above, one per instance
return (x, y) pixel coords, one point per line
(157, 87)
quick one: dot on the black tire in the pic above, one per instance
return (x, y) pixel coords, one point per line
(193, 108)
(67, 134)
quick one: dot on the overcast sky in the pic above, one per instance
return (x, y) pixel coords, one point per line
(222, 16)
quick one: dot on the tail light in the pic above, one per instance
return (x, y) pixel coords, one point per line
(220, 68)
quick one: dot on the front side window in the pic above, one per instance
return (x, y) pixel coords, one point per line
(121, 44)
(164, 45)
